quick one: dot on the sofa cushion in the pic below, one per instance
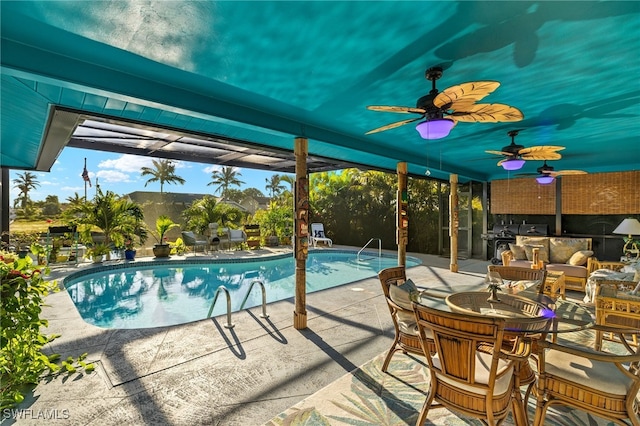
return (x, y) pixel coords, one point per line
(525, 239)
(579, 258)
(569, 270)
(561, 249)
(542, 255)
(518, 251)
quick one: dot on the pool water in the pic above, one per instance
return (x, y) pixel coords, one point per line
(143, 296)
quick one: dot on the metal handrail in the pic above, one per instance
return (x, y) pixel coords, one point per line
(215, 299)
(264, 298)
(366, 245)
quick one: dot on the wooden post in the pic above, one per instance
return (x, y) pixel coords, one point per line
(453, 222)
(402, 213)
(301, 232)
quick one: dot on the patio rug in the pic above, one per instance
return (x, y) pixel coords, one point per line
(367, 396)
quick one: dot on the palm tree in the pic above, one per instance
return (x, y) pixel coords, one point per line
(273, 185)
(116, 217)
(162, 171)
(25, 182)
(225, 178)
(75, 199)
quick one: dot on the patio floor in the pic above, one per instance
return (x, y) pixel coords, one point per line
(202, 373)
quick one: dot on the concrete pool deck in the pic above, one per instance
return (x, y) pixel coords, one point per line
(202, 373)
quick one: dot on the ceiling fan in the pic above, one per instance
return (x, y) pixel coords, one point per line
(457, 103)
(515, 155)
(546, 174)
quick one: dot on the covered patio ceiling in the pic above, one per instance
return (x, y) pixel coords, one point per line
(233, 82)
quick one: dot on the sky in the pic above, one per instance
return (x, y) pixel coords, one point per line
(120, 173)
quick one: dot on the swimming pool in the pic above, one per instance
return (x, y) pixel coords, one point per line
(154, 294)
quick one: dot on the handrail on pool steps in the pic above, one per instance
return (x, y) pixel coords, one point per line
(366, 245)
(229, 324)
(264, 298)
(215, 299)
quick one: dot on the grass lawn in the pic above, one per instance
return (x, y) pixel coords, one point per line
(22, 225)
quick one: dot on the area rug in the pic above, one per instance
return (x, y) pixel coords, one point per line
(367, 396)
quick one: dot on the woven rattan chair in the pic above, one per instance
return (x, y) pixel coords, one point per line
(616, 307)
(593, 264)
(406, 330)
(470, 373)
(517, 273)
(603, 384)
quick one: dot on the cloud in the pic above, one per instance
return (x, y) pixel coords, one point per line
(112, 176)
(126, 163)
(72, 188)
(212, 168)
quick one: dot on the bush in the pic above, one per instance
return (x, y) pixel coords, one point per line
(22, 361)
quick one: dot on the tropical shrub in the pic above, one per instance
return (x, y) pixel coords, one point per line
(22, 361)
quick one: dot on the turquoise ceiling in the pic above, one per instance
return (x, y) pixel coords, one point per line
(265, 72)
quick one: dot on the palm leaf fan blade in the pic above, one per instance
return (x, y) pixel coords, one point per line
(568, 172)
(489, 113)
(544, 155)
(472, 91)
(398, 109)
(550, 148)
(392, 125)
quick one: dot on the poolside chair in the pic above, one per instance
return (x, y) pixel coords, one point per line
(190, 240)
(471, 373)
(396, 291)
(235, 237)
(318, 235)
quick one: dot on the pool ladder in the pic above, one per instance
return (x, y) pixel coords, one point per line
(229, 324)
(367, 245)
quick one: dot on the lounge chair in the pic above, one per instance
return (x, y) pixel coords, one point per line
(317, 234)
(233, 237)
(190, 240)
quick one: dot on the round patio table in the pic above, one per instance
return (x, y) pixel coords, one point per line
(539, 315)
(564, 316)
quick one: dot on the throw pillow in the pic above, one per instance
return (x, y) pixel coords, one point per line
(401, 294)
(579, 258)
(561, 249)
(518, 252)
(543, 253)
(536, 241)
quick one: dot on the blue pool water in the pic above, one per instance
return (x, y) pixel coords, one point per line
(142, 295)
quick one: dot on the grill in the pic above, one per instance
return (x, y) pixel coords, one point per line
(503, 234)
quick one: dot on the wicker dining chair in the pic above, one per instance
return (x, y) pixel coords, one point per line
(515, 273)
(406, 330)
(600, 383)
(470, 373)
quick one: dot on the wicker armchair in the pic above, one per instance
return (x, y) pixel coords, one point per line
(406, 331)
(471, 373)
(603, 384)
(594, 264)
(615, 307)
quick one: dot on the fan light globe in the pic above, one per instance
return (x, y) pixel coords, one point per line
(435, 129)
(545, 180)
(513, 164)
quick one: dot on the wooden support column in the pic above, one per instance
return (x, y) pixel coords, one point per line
(301, 232)
(402, 213)
(4, 206)
(453, 222)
